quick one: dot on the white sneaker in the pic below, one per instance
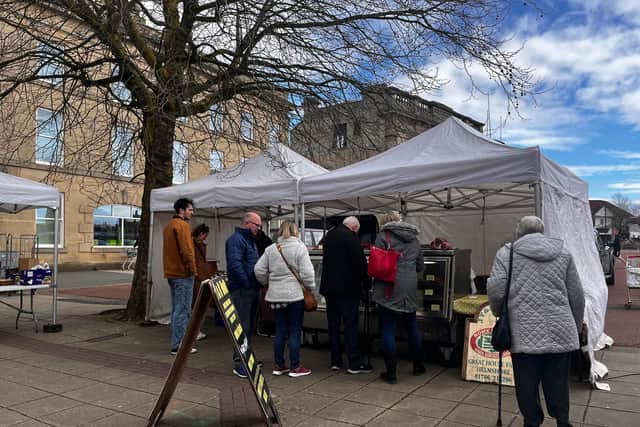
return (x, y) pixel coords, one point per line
(201, 336)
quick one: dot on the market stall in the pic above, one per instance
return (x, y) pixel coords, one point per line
(452, 181)
(267, 183)
(18, 194)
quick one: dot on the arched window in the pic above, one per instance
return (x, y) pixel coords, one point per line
(116, 225)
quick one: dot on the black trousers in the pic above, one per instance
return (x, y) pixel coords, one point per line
(552, 370)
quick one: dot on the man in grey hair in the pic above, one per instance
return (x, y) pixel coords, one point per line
(546, 308)
(344, 269)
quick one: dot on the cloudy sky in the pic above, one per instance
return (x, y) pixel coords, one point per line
(587, 53)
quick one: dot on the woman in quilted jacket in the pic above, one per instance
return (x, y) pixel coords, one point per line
(274, 268)
(546, 308)
(399, 299)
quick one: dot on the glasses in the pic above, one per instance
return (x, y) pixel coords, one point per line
(257, 225)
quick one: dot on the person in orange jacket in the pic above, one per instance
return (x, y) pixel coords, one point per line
(179, 263)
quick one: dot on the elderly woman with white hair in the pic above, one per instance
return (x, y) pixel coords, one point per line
(546, 307)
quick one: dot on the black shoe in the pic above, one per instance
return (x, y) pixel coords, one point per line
(390, 363)
(362, 369)
(388, 378)
(419, 369)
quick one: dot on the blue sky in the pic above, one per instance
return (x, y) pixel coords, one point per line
(587, 54)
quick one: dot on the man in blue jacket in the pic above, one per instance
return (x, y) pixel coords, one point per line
(242, 255)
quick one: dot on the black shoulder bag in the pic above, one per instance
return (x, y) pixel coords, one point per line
(501, 335)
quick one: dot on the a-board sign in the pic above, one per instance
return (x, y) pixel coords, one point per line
(480, 360)
(216, 288)
(241, 344)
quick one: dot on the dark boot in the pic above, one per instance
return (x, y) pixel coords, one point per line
(418, 367)
(390, 363)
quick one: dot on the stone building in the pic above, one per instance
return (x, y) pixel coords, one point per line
(89, 148)
(337, 135)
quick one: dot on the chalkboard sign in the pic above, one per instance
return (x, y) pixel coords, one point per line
(217, 288)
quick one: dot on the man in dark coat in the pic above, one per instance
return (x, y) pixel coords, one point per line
(344, 268)
(242, 255)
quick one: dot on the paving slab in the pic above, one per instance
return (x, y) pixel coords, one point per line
(350, 412)
(100, 371)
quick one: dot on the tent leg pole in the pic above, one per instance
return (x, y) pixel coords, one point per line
(54, 326)
(147, 309)
(538, 200)
(302, 221)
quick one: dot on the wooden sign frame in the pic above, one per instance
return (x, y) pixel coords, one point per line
(216, 288)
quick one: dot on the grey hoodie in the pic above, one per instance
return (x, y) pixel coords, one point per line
(404, 239)
(546, 300)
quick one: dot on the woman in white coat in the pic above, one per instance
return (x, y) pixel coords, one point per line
(274, 269)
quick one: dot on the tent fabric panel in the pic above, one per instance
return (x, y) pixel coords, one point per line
(20, 193)
(483, 234)
(570, 219)
(269, 178)
(553, 174)
(512, 167)
(160, 299)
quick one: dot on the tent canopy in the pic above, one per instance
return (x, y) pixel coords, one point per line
(452, 181)
(451, 154)
(17, 194)
(269, 178)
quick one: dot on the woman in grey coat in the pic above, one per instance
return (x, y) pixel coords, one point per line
(399, 299)
(546, 307)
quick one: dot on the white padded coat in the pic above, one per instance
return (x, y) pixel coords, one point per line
(272, 271)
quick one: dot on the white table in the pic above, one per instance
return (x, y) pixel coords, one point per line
(20, 309)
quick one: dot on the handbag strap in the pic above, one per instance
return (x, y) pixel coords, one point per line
(295, 274)
(506, 296)
(386, 233)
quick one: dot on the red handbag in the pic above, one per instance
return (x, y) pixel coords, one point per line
(383, 263)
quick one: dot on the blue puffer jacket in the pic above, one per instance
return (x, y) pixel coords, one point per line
(242, 255)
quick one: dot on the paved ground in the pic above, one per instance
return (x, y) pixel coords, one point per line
(102, 372)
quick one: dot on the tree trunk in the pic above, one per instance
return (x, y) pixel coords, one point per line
(157, 137)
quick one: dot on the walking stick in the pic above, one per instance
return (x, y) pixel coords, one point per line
(499, 421)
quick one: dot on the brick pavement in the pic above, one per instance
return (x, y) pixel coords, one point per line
(237, 403)
(620, 323)
(209, 395)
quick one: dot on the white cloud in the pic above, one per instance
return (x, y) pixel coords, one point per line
(589, 60)
(591, 170)
(625, 186)
(620, 154)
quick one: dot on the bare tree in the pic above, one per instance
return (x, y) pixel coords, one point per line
(622, 201)
(177, 59)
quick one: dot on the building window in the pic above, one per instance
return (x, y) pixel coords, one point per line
(116, 225)
(340, 133)
(49, 141)
(45, 226)
(49, 63)
(119, 89)
(180, 163)
(122, 151)
(274, 133)
(216, 118)
(216, 161)
(246, 126)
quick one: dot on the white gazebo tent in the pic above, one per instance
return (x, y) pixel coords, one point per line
(18, 194)
(453, 182)
(267, 183)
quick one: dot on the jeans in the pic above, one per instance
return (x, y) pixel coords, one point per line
(288, 322)
(246, 304)
(388, 319)
(552, 369)
(345, 310)
(181, 294)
